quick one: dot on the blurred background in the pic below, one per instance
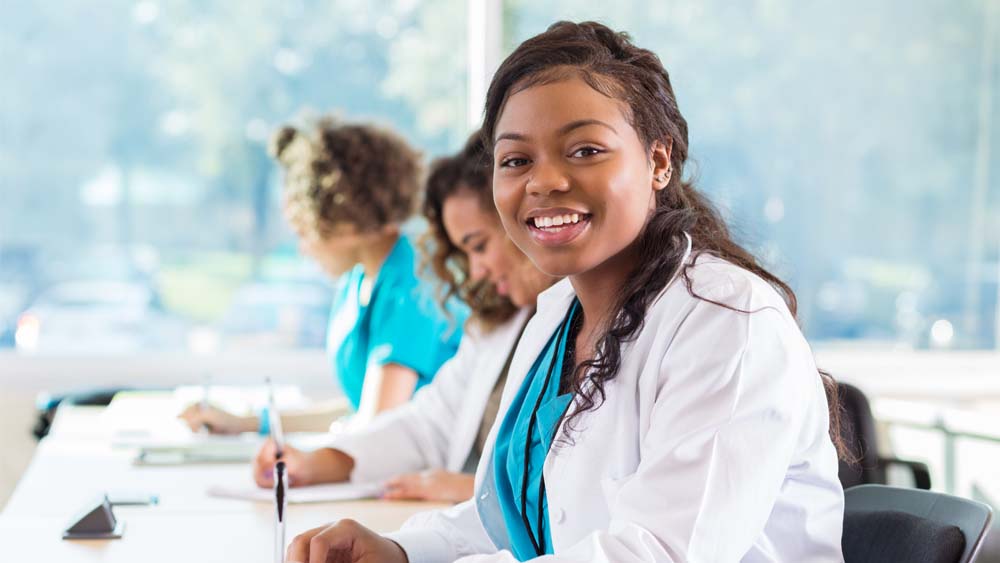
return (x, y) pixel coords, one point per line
(855, 146)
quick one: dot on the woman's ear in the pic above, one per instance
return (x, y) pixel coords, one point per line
(659, 156)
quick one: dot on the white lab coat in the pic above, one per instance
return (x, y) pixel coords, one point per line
(712, 444)
(438, 427)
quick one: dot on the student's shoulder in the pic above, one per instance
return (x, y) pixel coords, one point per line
(709, 277)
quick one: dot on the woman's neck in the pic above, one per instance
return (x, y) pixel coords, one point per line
(373, 254)
(598, 290)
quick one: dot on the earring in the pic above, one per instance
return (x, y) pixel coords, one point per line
(665, 176)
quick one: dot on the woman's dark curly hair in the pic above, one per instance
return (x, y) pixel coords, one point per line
(339, 173)
(467, 172)
(611, 64)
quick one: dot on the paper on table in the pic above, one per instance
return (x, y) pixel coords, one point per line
(149, 418)
(301, 495)
(193, 448)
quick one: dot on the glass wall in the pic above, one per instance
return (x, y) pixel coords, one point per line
(139, 207)
(855, 146)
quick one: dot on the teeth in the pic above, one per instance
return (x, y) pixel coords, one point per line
(556, 221)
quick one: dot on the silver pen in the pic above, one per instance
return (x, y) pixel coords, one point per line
(274, 422)
(206, 382)
(281, 503)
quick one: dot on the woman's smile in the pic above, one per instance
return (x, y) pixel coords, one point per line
(557, 226)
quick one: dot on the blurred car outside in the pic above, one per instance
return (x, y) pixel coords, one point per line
(97, 317)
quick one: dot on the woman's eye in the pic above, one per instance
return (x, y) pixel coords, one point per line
(513, 162)
(585, 152)
(479, 248)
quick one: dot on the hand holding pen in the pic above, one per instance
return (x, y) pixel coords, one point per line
(296, 465)
(206, 426)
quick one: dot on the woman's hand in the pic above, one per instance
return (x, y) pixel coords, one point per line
(433, 484)
(324, 465)
(217, 421)
(346, 541)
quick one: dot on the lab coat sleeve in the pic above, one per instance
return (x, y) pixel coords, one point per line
(442, 536)
(733, 390)
(416, 435)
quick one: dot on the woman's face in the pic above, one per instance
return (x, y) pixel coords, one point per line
(573, 183)
(492, 257)
(336, 251)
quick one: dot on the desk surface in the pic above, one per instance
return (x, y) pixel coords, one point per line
(76, 464)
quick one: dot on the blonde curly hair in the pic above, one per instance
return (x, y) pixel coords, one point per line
(339, 173)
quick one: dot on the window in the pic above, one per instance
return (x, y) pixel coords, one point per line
(855, 146)
(140, 209)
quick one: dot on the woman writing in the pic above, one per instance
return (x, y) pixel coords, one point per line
(429, 448)
(348, 188)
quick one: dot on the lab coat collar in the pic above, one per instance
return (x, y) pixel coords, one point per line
(561, 291)
(559, 294)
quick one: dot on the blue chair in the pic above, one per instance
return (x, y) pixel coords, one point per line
(889, 524)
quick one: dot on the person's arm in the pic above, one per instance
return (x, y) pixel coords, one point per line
(432, 536)
(431, 485)
(408, 342)
(401, 442)
(386, 387)
(315, 418)
(418, 434)
(325, 465)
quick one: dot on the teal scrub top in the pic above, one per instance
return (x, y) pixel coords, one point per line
(401, 324)
(518, 492)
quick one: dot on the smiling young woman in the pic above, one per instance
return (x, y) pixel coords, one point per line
(663, 404)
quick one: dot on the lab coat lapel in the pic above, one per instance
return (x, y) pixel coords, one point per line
(552, 306)
(497, 345)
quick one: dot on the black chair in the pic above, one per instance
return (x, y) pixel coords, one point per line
(858, 431)
(889, 524)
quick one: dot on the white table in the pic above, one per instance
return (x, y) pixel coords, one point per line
(75, 464)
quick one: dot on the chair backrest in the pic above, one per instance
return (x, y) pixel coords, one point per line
(882, 523)
(858, 431)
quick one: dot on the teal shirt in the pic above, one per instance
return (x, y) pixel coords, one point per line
(541, 387)
(401, 324)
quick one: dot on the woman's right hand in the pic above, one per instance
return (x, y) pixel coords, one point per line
(324, 465)
(345, 541)
(217, 421)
